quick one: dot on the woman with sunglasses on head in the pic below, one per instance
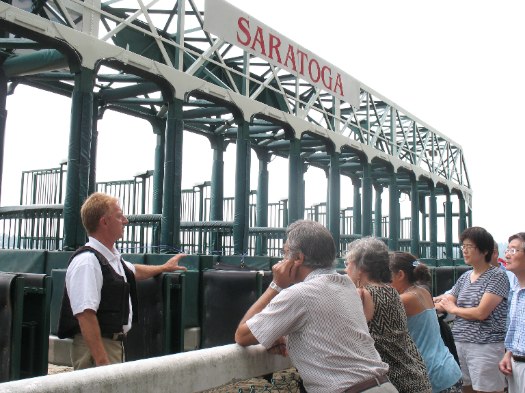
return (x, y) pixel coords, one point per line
(479, 301)
(367, 264)
(408, 275)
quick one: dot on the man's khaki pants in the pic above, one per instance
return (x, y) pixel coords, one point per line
(81, 356)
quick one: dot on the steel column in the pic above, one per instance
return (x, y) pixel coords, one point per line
(462, 215)
(261, 247)
(295, 179)
(3, 119)
(448, 227)
(94, 146)
(356, 209)
(393, 221)
(414, 227)
(378, 211)
(334, 198)
(78, 164)
(171, 198)
(242, 189)
(366, 223)
(159, 128)
(433, 222)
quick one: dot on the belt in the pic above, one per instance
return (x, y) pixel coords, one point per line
(368, 384)
(114, 336)
(518, 358)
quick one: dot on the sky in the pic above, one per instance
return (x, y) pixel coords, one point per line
(456, 65)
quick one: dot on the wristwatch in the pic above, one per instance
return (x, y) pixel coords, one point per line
(275, 287)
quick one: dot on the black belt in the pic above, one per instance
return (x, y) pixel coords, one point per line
(114, 336)
(518, 358)
(368, 384)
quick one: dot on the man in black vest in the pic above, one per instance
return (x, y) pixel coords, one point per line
(100, 297)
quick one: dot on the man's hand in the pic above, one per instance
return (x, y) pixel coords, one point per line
(505, 365)
(285, 271)
(279, 347)
(172, 264)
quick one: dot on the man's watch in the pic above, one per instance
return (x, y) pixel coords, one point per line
(275, 287)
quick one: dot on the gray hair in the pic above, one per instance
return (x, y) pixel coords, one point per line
(314, 241)
(370, 255)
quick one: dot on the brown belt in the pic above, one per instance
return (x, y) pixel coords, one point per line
(368, 384)
(518, 358)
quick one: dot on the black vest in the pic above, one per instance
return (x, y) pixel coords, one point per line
(113, 310)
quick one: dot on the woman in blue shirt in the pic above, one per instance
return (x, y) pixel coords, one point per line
(423, 326)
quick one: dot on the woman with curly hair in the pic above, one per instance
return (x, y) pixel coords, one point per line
(367, 264)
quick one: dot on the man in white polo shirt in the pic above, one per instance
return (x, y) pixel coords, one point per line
(320, 313)
(100, 296)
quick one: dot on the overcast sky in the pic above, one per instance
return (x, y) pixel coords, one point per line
(456, 65)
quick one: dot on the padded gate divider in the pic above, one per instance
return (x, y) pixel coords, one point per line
(226, 296)
(160, 311)
(57, 260)
(35, 325)
(11, 312)
(58, 277)
(23, 261)
(444, 279)
(459, 270)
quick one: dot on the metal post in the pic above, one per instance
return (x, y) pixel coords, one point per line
(393, 223)
(3, 119)
(378, 211)
(158, 174)
(242, 189)
(217, 189)
(414, 228)
(433, 222)
(366, 223)
(462, 216)
(77, 181)
(334, 196)
(448, 227)
(261, 246)
(295, 178)
(170, 227)
(357, 205)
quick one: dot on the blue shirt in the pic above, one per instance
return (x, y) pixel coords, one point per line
(442, 369)
(515, 338)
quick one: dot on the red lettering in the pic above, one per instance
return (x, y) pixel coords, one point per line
(303, 56)
(318, 76)
(275, 43)
(339, 84)
(259, 39)
(323, 76)
(244, 25)
(290, 55)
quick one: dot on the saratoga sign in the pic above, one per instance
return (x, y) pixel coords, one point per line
(236, 27)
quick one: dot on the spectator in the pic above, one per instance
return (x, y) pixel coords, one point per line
(513, 362)
(423, 325)
(479, 301)
(100, 299)
(367, 262)
(321, 314)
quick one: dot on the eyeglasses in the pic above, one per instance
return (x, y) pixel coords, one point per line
(467, 247)
(512, 251)
(346, 263)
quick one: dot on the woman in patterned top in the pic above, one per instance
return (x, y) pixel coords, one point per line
(479, 301)
(367, 264)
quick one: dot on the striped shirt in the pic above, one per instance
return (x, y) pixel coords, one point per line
(469, 294)
(515, 339)
(328, 338)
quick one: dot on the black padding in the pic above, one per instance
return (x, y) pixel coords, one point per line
(145, 339)
(57, 260)
(444, 279)
(6, 322)
(227, 295)
(158, 330)
(58, 277)
(23, 261)
(246, 262)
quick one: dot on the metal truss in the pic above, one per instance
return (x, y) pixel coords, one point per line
(171, 33)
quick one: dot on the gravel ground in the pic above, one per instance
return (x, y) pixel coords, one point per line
(285, 381)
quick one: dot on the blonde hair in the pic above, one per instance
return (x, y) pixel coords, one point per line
(94, 208)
